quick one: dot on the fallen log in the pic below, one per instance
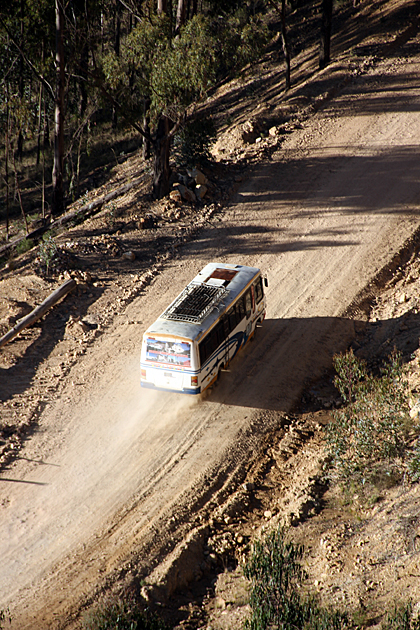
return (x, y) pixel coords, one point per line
(39, 311)
(86, 210)
(93, 206)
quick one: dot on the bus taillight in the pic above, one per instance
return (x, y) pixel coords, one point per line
(143, 373)
(194, 381)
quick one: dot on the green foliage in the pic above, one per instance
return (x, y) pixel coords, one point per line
(373, 429)
(24, 246)
(414, 463)
(118, 614)
(401, 618)
(239, 43)
(194, 140)
(47, 251)
(184, 70)
(170, 74)
(276, 574)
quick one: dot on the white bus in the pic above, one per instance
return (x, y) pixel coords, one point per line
(201, 331)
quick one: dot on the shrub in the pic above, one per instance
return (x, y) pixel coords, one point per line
(194, 140)
(24, 246)
(126, 614)
(401, 618)
(372, 432)
(47, 251)
(276, 575)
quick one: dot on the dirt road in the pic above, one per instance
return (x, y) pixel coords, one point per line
(116, 472)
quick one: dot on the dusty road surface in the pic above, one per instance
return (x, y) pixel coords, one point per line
(115, 470)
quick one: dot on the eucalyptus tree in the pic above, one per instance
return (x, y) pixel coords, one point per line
(170, 73)
(165, 71)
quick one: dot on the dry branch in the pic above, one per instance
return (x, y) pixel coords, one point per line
(39, 311)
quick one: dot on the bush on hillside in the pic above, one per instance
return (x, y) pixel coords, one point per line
(372, 433)
(121, 614)
(276, 574)
(193, 142)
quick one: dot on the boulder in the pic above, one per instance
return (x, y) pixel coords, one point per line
(200, 191)
(186, 193)
(249, 132)
(198, 176)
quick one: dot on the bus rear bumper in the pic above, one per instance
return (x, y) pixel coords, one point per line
(193, 390)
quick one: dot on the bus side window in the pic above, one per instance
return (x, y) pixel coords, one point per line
(248, 304)
(208, 345)
(205, 349)
(226, 327)
(240, 309)
(219, 333)
(259, 293)
(233, 319)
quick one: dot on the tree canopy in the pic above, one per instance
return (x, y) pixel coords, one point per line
(70, 66)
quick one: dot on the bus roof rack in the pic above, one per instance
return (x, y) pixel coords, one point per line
(195, 302)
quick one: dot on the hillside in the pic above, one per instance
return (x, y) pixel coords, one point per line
(250, 454)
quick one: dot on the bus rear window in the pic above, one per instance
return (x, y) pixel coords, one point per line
(172, 353)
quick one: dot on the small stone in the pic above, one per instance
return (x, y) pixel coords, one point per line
(80, 327)
(258, 140)
(219, 603)
(273, 131)
(268, 514)
(175, 195)
(129, 256)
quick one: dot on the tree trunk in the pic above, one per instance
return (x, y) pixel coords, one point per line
(286, 51)
(146, 127)
(326, 23)
(180, 15)
(84, 62)
(38, 141)
(117, 42)
(162, 6)
(40, 101)
(21, 78)
(6, 157)
(162, 146)
(57, 174)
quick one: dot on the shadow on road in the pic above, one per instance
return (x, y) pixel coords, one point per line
(288, 356)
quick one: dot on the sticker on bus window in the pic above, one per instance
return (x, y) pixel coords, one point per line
(168, 352)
